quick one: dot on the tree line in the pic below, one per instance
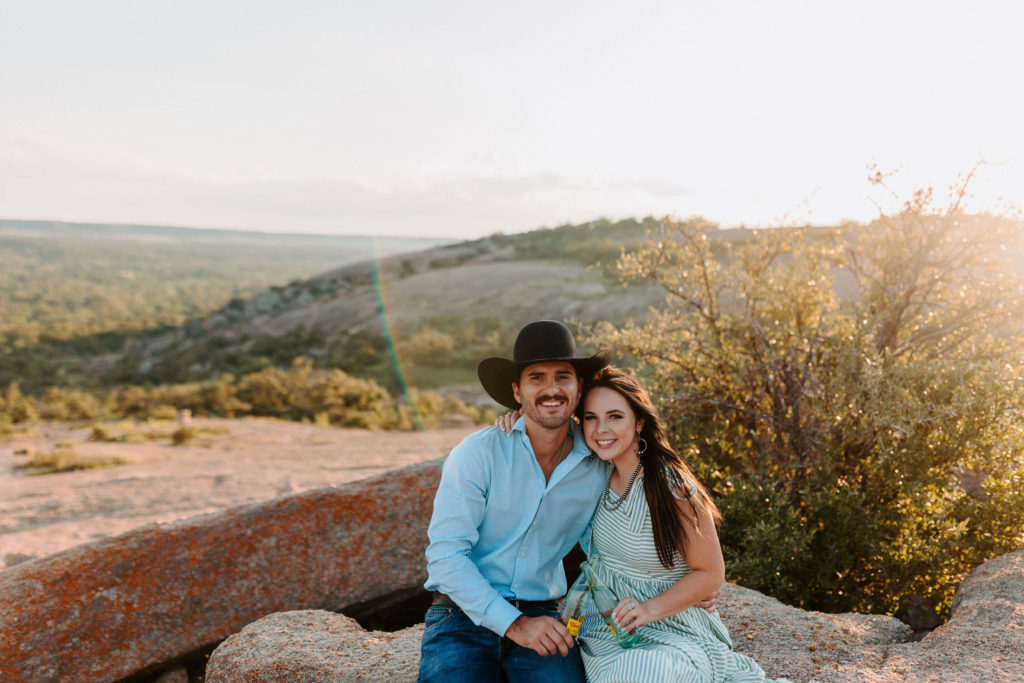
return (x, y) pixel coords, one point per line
(301, 393)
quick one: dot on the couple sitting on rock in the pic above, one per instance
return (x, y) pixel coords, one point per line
(512, 502)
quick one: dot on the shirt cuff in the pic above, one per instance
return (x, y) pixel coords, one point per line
(499, 616)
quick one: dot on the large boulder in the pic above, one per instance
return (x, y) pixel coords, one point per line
(315, 646)
(984, 641)
(984, 637)
(801, 645)
(322, 647)
(124, 604)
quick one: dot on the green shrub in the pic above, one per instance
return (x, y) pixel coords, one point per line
(428, 347)
(64, 459)
(352, 402)
(98, 433)
(301, 393)
(831, 425)
(60, 404)
(270, 392)
(183, 435)
(16, 407)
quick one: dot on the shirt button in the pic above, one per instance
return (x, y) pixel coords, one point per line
(515, 585)
(522, 554)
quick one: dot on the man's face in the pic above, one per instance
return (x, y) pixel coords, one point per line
(548, 393)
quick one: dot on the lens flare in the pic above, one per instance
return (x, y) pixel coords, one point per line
(396, 363)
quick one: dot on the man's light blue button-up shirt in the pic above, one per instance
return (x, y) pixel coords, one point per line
(499, 531)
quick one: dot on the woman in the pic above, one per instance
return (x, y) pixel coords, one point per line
(658, 551)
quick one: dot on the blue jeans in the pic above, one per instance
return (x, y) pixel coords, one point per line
(455, 649)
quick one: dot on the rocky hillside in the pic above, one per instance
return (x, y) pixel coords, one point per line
(490, 285)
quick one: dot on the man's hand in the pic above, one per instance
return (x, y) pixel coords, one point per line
(543, 635)
(708, 603)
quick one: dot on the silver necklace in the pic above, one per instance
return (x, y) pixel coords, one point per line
(566, 447)
(612, 507)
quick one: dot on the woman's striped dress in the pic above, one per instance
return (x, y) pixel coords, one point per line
(691, 645)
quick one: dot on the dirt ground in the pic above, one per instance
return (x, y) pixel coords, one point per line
(228, 463)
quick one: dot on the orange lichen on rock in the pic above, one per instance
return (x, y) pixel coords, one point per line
(127, 602)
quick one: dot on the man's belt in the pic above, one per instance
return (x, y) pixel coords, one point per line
(444, 601)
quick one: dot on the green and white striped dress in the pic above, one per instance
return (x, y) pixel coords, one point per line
(691, 645)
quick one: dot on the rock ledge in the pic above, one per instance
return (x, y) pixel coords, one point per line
(984, 641)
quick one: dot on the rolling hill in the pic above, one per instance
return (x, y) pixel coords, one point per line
(366, 318)
(70, 291)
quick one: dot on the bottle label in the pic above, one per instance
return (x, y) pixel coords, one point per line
(574, 626)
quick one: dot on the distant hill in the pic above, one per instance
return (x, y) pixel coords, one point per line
(61, 280)
(70, 290)
(172, 234)
(465, 299)
(157, 305)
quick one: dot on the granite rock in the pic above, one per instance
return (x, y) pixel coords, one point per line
(128, 603)
(176, 674)
(804, 645)
(984, 637)
(314, 646)
(984, 641)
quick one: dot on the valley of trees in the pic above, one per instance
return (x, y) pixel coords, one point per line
(72, 294)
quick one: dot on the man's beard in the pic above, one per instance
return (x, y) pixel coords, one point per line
(534, 412)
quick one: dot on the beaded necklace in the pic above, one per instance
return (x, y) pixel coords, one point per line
(612, 507)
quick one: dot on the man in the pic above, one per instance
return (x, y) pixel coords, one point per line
(507, 510)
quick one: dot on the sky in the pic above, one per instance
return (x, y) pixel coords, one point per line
(461, 119)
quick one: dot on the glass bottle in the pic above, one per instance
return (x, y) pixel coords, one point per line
(570, 611)
(606, 600)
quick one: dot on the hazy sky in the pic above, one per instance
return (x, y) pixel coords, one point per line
(465, 118)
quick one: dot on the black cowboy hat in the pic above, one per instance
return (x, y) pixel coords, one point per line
(544, 341)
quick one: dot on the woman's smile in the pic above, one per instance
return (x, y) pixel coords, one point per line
(609, 424)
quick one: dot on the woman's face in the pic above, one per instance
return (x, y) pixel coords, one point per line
(609, 424)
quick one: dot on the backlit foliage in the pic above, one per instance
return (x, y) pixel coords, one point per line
(853, 396)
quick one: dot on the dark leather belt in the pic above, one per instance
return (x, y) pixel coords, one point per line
(444, 601)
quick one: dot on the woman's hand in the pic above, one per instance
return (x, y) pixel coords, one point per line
(508, 420)
(631, 615)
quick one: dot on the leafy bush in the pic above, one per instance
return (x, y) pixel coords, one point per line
(428, 347)
(60, 404)
(15, 406)
(299, 393)
(274, 392)
(183, 435)
(833, 427)
(64, 459)
(352, 402)
(99, 433)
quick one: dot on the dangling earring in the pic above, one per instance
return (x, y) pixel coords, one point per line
(643, 448)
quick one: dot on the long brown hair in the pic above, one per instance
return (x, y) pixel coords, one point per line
(666, 476)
